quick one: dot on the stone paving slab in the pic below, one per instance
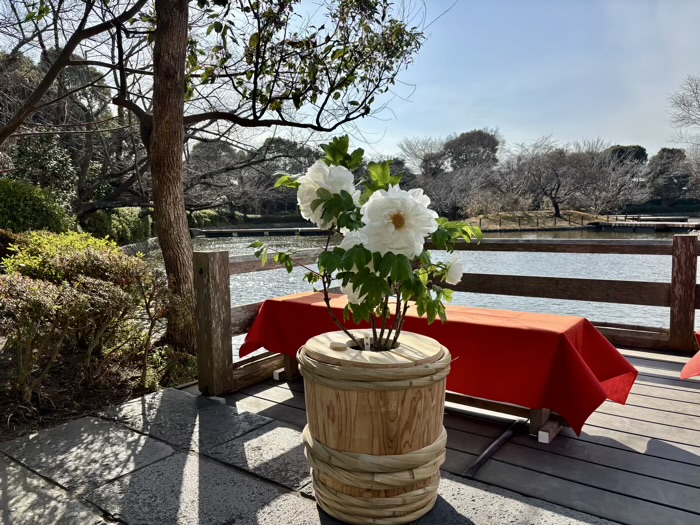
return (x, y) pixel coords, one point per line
(467, 502)
(274, 451)
(188, 489)
(463, 501)
(27, 499)
(82, 454)
(185, 421)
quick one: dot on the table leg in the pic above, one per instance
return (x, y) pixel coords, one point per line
(291, 367)
(544, 425)
(538, 417)
(548, 431)
(290, 370)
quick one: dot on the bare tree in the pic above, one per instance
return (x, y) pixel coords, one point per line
(450, 192)
(609, 180)
(549, 172)
(507, 186)
(685, 110)
(421, 151)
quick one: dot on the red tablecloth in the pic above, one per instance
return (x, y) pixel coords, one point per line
(533, 360)
(692, 367)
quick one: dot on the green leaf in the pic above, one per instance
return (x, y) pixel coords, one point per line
(401, 269)
(387, 263)
(441, 238)
(287, 181)
(355, 160)
(324, 194)
(328, 262)
(380, 174)
(285, 260)
(254, 40)
(315, 204)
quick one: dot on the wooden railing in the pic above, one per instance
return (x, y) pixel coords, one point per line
(217, 322)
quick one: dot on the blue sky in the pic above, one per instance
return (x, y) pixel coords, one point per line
(570, 68)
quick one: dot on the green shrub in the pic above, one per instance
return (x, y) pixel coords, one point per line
(128, 226)
(43, 161)
(60, 257)
(7, 238)
(204, 219)
(123, 225)
(101, 306)
(98, 223)
(24, 207)
(37, 316)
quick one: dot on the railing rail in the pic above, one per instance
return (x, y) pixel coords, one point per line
(600, 246)
(217, 321)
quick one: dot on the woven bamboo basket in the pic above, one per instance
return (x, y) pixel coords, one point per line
(375, 438)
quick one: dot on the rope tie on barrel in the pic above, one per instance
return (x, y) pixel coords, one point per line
(370, 472)
(375, 473)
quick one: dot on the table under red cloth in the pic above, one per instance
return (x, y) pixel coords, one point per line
(692, 367)
(533, 360)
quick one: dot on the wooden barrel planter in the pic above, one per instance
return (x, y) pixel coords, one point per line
(375, 438)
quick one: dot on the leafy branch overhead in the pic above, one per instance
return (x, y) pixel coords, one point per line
(277, 65)
(380, 262)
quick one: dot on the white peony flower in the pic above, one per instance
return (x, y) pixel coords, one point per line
(418, 194)
(352, 295)
(455, 270)
(398, 221)
(332, 178)
(353, 238)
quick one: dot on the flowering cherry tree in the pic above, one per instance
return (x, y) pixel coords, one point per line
(380, 263)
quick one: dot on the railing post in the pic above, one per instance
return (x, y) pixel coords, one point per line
(213, 322)
(683, 281)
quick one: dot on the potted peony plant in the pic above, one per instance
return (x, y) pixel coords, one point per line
(374, 396)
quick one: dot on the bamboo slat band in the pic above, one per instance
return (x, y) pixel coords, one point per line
(376, 473)
(356, 378)
(406, 508)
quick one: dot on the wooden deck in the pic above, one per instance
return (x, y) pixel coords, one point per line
(637, 464)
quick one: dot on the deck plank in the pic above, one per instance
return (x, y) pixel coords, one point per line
(652, 415)
(682, 385)
(668, 405)
(662, 392)
(650, 355)
(593, 500)
(658, 365)
(646, 428)
(664, 492)
(619, 458)
(645, 445)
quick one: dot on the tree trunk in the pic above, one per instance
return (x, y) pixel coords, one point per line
(555, 205)
(166, 158)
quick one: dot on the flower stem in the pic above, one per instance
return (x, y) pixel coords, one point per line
(400, 325)
(374, 329)
(394, 324)
(385, 311)
(327, 299)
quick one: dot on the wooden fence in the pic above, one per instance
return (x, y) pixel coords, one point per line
(217, 322)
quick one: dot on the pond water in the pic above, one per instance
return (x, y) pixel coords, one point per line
(253, 287)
